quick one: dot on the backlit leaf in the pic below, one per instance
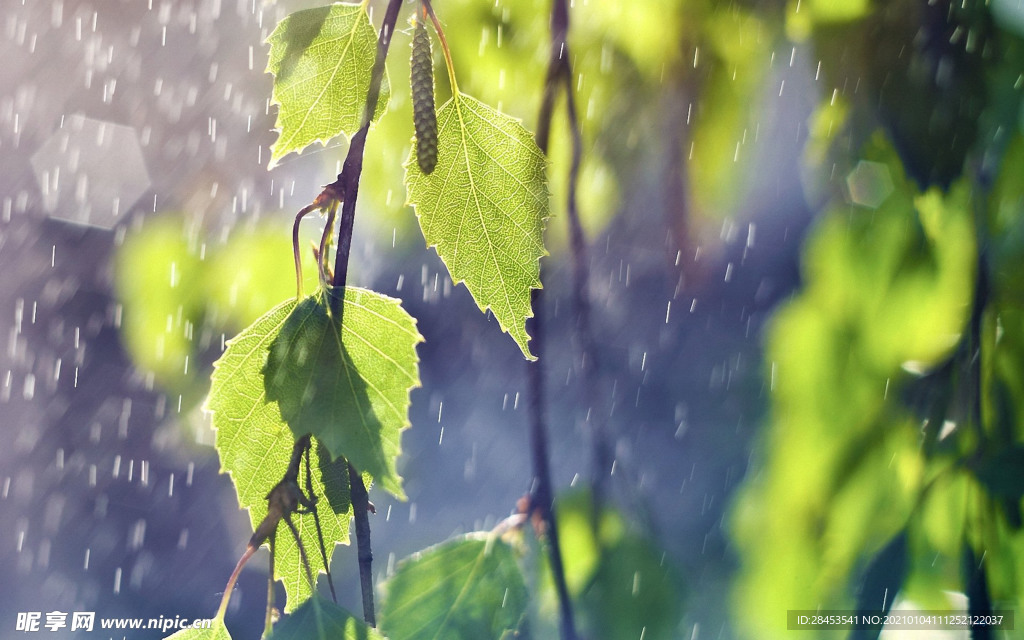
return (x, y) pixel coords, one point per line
(351, 391)
(484, 208)
(321, 60)
(255, 445)
(469, 588)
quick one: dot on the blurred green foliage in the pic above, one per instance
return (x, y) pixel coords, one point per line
(891, 466)
(182, 297)
(623, 585)
(894, 448)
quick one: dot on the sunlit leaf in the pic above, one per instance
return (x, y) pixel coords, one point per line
(484, 208)
(217, 631)
(319, 619)
(255, 446)
(321, 60)
(469, 588)
(350, 390)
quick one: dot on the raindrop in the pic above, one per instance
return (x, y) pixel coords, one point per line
(29, 390)
(117, 580)
(138, 535)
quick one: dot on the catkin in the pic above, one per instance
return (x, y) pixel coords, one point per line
(424, 117)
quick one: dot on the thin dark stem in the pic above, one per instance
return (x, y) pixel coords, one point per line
(346, 189)
(347, 183)
(589, 363)
(542, 497)
(302, 551)
(542, 494)
(360, 509)
(560, 75)
(268, 622)
(319, 531)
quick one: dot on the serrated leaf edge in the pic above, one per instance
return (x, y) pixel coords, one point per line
(524, 347)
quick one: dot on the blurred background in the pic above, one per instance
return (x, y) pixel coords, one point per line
(804, 246)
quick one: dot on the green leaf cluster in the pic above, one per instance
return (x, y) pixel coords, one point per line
(888, 296)
(291, 373)
(319, 619)
(350, 389)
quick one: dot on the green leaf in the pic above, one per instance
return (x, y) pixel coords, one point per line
(468, 588)
(351, 390)
(217, 631)
(255, 446)
(322, 60)
(319, 619)
(484, 208)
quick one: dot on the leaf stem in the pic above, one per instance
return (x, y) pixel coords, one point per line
(444, 48)
(226, 598)
(268, 621)
(319, 531)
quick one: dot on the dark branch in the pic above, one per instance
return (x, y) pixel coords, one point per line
(347, 183)
(360, 507)
(542, 494)
(542, 497)
(346, 190)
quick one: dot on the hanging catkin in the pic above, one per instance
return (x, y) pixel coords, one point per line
(423, 115)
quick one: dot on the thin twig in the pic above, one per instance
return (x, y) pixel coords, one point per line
(542, 494)
(346, 189)
(319, 531)
(268, 621)
(302, 551)
(360, 505)
(347, 183)
(559, 74)
(589, 362)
